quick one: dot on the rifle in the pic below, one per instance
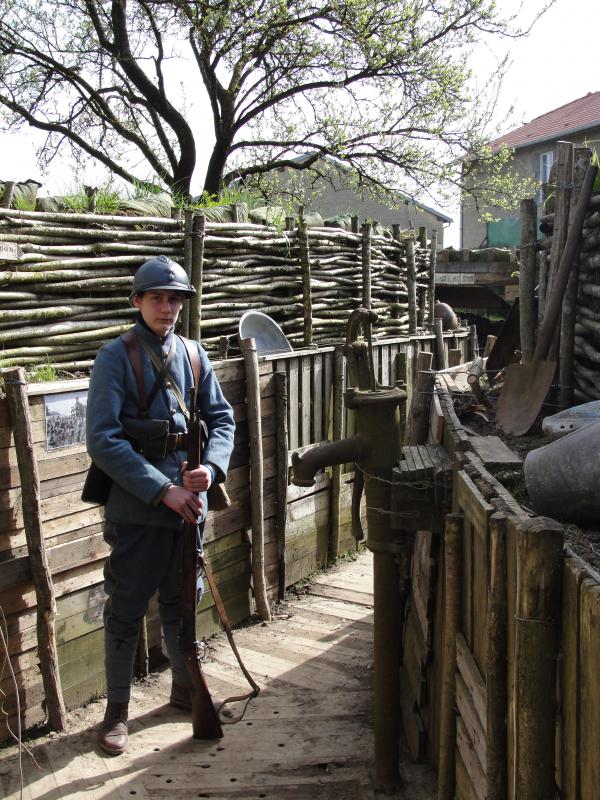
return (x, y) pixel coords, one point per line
(205, 720)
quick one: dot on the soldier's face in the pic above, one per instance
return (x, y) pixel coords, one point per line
(159, 309)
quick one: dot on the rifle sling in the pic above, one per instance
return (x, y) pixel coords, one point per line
(227, 628)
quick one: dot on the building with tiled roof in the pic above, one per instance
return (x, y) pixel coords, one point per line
(534, 145)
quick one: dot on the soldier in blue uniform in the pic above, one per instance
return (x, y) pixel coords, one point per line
(152, 492)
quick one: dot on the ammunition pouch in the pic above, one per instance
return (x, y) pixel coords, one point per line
(149, 437)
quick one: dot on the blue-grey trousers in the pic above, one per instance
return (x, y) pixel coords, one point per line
(142, 560)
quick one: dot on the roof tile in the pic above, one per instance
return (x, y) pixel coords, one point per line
(580, 113)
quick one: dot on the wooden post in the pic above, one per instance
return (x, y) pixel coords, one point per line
(411, 283)
(248, 348)
(397, 237)
(527, 278)
(290, 223)
(542, 284)
(223, 347)
(417, 417)
(432, 268)
(366, 264)
(339, 374)
(422, 237)
(354, 224)
(496, 656)
(7, 195)
(187, 265)
(18, 405)
(197, 262)
(421, 307)
(473, 346)
(562, 194)
(583, 157)
(441, 362)
(454, 357)
(539, 549)
(281, 404)
(452, 611)
(306, 288)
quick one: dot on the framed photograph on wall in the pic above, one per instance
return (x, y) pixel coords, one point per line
(64, 416)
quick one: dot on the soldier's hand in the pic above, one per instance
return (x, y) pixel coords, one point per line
(185, 502)
(196, 480)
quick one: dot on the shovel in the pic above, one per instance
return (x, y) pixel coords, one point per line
(526, 385)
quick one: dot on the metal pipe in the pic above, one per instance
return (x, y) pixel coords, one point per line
(306, 465)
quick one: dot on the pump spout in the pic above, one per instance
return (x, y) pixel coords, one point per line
(306, 465)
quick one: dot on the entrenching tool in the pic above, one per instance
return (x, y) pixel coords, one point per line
(526, 385)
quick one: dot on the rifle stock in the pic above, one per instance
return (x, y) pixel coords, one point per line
(205, 720)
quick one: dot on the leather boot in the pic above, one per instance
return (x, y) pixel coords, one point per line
(112, 736)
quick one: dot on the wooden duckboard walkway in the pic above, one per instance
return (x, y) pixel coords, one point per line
(308, 736)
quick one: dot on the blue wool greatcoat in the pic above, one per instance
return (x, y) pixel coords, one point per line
(138, 484)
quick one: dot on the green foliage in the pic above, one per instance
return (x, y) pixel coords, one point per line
(596, 162)
(24, 203)
(381, 86)
(77, 199)
(43, 373)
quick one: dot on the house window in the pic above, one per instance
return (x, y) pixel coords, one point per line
(545, 165)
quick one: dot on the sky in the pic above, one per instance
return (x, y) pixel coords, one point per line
(556, 63)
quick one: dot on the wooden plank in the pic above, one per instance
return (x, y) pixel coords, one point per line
(293, 404)
(573, 576)
(470, 760)
(480, 595)
(305, 402)
(495, 453)
(589, 705)
(464, 787)
(473, 680)
(317, 398)
(471, 501)
(470, 718)
(467, 581)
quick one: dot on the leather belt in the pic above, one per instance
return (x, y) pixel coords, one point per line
(177, 441)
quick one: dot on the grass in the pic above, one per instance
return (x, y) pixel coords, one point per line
(44, 373)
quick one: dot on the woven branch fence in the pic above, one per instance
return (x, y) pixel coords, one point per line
(65, 280)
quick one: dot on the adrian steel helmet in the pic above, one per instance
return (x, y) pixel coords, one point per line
(161, 273)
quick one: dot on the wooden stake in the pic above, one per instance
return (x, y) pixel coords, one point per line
(473, 343)
(281, 406)
(197, 275)
(7, 196)
(527, 278)
(339, 374)
(432, 267)
(411, 281)
(248, 348)
(583, 157)
(187, 265)
(452, 609)
(441, 362)
(496, 656)
(366, 264)
(16, 395)
(417, 422)
(306, 287)
(539, 546)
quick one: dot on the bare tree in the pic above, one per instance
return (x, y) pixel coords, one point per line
(382, 86)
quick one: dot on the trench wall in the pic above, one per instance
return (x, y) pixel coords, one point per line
(298, 521)
(502, 644)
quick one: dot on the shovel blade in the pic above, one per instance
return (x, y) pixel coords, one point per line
(522, 396)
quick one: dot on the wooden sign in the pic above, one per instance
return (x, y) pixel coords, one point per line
(10, 251)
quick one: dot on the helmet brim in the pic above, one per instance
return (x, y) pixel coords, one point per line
(187, 291)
